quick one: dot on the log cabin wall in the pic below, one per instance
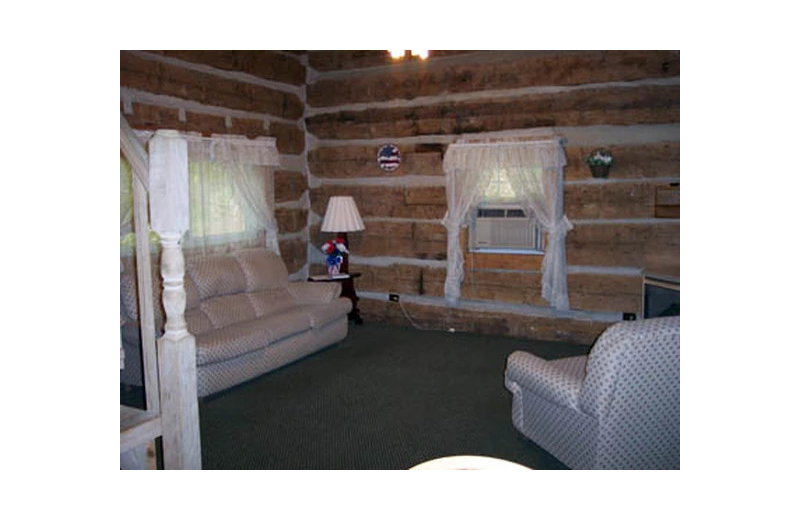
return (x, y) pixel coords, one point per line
(330, 111)
(251, 93)
(626, 101)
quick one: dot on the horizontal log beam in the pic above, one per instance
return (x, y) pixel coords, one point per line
(644, 104)
(610, 200)
(397, 239)
(507, 71)
(651, 247)
(209, 89)
(294, 253)
(361, 161)
(289, 138)
(424, 203)
(291, 220)
(343, 60)
(602, 292)
(289, 186)
(631, 161)
(261, 64)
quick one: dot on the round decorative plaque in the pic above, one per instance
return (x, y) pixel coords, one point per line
(389, 157)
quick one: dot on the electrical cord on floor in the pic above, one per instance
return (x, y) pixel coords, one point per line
(416, 326)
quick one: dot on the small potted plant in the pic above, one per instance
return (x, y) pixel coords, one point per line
(599, 162)
(334, 254)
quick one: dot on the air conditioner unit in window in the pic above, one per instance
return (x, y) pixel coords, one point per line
(506, 228)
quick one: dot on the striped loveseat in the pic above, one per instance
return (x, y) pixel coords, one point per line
(245, 315)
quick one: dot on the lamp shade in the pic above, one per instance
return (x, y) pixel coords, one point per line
(342, 216)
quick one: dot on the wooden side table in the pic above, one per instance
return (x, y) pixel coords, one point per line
(348, 291)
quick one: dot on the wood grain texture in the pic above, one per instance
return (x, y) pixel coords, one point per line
(631, 161)
(652, 247)
(290, 139)
(294, 253)
(386, 201)
(609, 200)
(645, 104)
(505, 71)
(605, 292)
(291, 220)
(326, 61)
(344, 162)
(267, 65)
(208, 89)
(289, 185)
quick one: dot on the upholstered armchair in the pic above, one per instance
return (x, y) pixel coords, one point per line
(617, 408)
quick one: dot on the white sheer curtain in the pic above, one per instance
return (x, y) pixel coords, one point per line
(125, 197)
(231, 192)
(535, 171)
(127, 239)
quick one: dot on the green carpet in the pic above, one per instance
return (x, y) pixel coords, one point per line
(384, 398)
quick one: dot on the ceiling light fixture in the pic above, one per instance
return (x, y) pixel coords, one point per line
(401, 54)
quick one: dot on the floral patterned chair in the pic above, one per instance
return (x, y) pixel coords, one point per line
(617, 408)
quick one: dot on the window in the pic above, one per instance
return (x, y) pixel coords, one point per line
(217, 210)
(219, 214)
(500, 225)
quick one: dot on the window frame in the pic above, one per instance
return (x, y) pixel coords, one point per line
(508, 204)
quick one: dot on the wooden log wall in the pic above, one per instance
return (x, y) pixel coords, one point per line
(331, 111)
(626, 101)
(251, 93)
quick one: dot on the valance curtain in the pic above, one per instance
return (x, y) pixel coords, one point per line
(535, 171)
(231, 192)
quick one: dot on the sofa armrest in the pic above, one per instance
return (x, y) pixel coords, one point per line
(558, 381)
(314, 293)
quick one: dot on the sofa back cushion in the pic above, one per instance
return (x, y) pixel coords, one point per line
(216, 275)
(228, 309)
(270, 301)
(262, 269)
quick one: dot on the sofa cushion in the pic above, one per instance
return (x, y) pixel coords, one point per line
(270, 300)
(228, 309)
(323, 314)
(262, 269)
(197, 322)
(229, 342)
(216, 275)
(240, 338)
(309, 292)
(283, 324)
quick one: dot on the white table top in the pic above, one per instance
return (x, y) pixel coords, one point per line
(469, 462)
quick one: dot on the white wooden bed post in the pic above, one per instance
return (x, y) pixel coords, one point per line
(169, 217)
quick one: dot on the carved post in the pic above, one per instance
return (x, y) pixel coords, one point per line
(169, 217)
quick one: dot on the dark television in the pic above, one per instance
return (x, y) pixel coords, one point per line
(661, 296)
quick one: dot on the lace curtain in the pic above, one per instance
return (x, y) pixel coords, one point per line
(535, 171)
(231, 193)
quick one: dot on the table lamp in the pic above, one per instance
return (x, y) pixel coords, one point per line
(342, 217)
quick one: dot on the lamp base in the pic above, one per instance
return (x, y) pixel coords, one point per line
(344, 268)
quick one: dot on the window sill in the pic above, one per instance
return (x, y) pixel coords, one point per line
(490, 250)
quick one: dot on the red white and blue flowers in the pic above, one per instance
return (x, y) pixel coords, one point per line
(334, 251)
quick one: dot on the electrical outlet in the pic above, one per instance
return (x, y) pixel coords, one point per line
(628, 316)
(394, 297)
